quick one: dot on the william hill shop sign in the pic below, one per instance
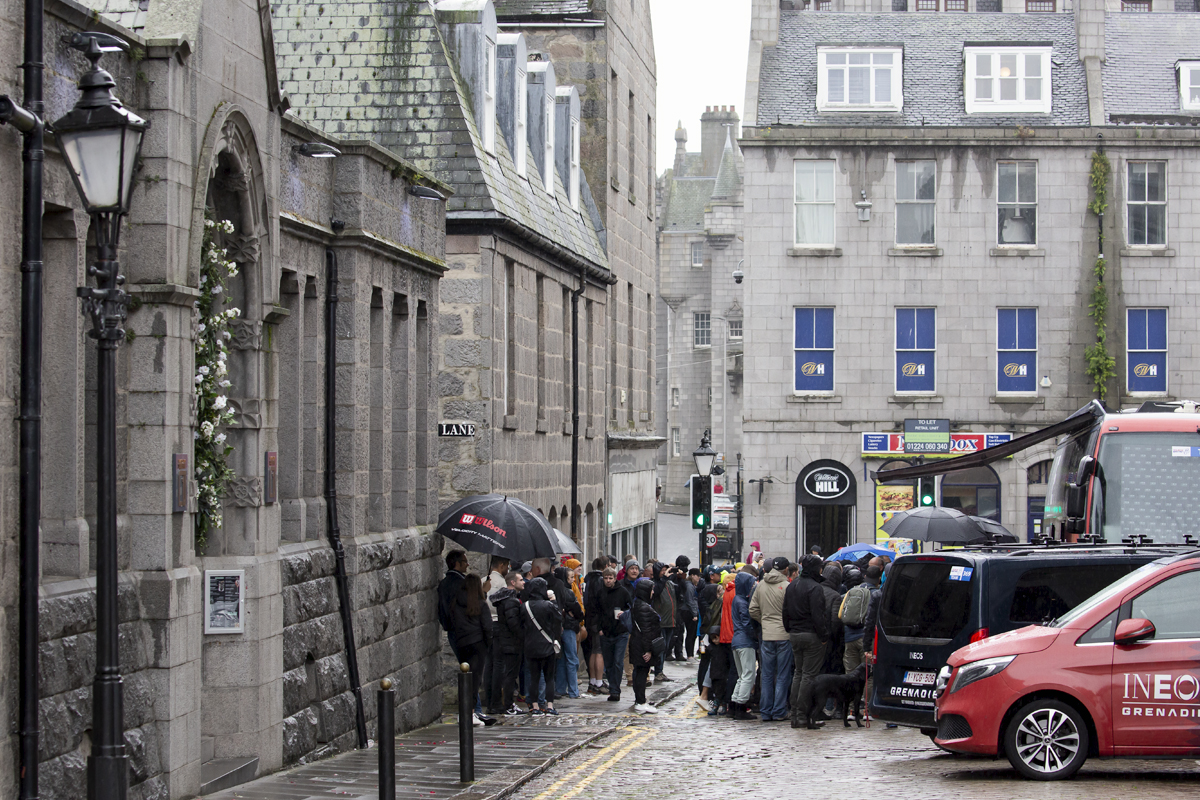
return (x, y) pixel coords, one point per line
(891, 445)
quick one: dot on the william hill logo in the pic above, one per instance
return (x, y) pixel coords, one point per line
(1016, 370)
(811, 368)
(1146, 370)
(911, 370)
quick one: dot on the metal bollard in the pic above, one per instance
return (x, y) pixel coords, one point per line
(466, 724)
(387, 740)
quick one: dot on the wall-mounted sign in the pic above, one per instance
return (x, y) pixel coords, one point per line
(886, 445)
(224, 601)
(271, 478)
(826, 482)
(181, 475)
(456, 430)
(927, 436)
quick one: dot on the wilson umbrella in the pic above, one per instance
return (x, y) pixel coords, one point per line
(934, 524)
(994, 530)
(566, 545)
(499, 526)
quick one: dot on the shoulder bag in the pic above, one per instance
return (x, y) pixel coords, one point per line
(557, 645)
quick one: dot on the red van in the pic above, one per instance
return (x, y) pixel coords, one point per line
(1118, 675)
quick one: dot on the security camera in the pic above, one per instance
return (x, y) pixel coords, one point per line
(738, 275)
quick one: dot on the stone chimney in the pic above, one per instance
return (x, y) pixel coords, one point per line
(713, 135)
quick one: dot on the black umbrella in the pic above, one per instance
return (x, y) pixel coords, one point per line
(566, 545)
(994, 530)
(934, 524)
(500, 526)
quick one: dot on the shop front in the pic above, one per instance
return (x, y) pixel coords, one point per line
(826, 496)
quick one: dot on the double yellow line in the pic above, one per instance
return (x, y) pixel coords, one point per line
(613, 752)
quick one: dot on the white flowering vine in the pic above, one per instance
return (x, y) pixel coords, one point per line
(212, 402)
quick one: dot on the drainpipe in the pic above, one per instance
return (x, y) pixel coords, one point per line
(335, 536)
(28, 120)
(575, 407)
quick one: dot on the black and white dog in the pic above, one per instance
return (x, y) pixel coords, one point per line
(848, 689)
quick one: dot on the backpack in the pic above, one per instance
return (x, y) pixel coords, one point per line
(853, 611)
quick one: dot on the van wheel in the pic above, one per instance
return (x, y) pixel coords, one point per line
(1046, 741)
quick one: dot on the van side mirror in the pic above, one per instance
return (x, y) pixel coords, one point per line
(1077, 490)
(1132, 631)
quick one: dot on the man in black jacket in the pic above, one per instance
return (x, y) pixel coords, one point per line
(591, 646)
(806, 619)
(447, 591)
(543, 630)
(610, 598)
(508, 644)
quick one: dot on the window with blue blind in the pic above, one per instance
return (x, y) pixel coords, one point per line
(1146, 350)
(814, 350)
(1016, 350)
(916, 350)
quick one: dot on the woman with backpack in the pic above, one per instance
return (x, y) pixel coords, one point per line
(853, 614)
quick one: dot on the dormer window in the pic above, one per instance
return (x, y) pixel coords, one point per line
(1189, 85)
(489, 95)
(1007, 80)
(574, 164)
(859, 79)
(548, 155)
(519, 141)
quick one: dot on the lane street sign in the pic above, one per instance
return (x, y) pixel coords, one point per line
(456, 430)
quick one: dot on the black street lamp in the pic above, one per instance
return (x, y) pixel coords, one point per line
(705, 456)
(101, 140)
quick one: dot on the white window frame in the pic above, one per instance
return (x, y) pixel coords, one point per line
(1189, 76)
(489, 95)
(696, 328)
(896, 348)
(676, 442)
(548, 149)
(814, 349)
(831, 202)
(1130, 203)
(697, 249)
(1148, 349)
(1036, 202)
(897, 83)
(1000, 351)
(521, 140)
(574, 189)
(994, 105)
(735, 329)
(932, 202)
(674, 397)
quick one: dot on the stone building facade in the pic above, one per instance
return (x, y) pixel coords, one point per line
(221, 145)
(443, 85)
(920, 245)
(606, 49)
(700, 320)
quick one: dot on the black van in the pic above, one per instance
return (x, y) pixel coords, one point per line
(935, 603)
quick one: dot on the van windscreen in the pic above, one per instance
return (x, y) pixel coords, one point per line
(926, 600)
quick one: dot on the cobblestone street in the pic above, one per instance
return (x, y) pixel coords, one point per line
(682, 753)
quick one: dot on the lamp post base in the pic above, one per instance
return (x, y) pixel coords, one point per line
(108, 777)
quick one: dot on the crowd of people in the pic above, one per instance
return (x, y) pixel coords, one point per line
(761, 633)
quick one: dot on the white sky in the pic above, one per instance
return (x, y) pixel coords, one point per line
(700, 51)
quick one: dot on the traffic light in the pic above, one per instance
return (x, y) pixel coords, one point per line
(701, 502)
(925, 492)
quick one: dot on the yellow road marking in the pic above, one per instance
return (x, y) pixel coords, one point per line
(552, 790)
(585, 782)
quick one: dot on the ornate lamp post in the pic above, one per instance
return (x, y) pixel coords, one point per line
(705, 456)
(101, 140)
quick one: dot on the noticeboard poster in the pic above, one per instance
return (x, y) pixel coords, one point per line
(889, 500)
(224, 601)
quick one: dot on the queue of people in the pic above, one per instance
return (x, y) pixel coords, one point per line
(763, 632)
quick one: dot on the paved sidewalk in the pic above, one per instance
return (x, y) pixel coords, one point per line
(507, 755)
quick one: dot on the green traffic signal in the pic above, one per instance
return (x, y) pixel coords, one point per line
(700, 520)
(926, 500)
(926, 492)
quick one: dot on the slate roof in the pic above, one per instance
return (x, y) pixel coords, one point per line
(686, 200)
(933, 66)
(384, 72)
(1140, 54)
(729, 173)
(535, 9)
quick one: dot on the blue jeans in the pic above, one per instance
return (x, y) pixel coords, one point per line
(567, 671)
(613, 649)
(532, 692)
(776, 678)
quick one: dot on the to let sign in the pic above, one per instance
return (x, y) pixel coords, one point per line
(456, 430)
(926, 436)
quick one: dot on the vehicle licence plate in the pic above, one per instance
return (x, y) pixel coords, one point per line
(921, 678)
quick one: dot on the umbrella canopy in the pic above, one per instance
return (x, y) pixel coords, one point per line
(934, 524)
(854, 552)
(565, 544)
(994, 530)
(499, 526)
